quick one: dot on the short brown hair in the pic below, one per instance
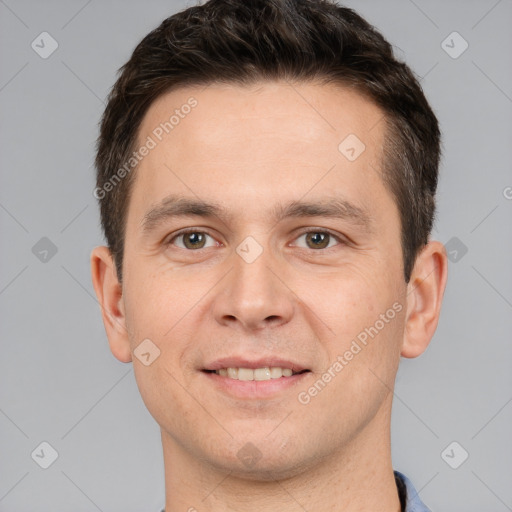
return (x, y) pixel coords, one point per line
(245, 41)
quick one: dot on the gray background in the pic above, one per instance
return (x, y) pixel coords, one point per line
(60, 383)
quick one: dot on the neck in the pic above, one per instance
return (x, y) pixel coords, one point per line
(354, 478)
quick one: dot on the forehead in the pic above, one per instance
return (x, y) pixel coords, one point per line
(295, 111)
(250, 144)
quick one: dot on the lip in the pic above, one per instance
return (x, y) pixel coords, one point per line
(262, 362)
(254, 389)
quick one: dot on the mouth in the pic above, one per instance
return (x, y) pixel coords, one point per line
(258, 374)
(265, 378)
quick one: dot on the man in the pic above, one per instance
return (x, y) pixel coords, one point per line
(266, 175)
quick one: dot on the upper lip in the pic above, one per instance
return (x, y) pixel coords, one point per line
(240, 362)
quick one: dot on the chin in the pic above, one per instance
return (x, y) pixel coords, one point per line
(264, 472)
(262, 462)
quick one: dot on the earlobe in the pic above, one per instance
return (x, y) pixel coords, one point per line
(424, 298)
(109, 293)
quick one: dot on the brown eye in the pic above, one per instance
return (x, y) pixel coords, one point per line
(194, 240)
(191, 240)
(317, 240)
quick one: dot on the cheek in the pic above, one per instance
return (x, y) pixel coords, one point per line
(364, 312)
(157, 315)
(154, 305)
(362, 362)
(165, 311)
(164, 395)
(347, 301)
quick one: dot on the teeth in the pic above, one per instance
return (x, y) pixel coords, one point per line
(262, 374)
(245, 374)
(276, 372)
(266, 373)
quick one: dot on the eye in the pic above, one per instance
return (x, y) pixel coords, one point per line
(192, 239)
(317, 239)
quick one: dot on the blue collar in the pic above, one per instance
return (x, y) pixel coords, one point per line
(409, 495)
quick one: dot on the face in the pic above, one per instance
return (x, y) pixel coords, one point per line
(294, 263)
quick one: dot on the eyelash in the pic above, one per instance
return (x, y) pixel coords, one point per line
(310, 230)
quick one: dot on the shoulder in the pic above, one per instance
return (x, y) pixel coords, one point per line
(409, 495)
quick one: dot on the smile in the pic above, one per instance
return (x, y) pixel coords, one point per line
(259, 374)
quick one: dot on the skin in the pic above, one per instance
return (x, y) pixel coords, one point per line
(248, 149)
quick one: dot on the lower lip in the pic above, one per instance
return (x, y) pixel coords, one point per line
(254, 388)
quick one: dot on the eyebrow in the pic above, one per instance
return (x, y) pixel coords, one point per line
(176, 206)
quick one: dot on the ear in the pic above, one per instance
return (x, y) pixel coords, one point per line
(425, 292)
(109, 293)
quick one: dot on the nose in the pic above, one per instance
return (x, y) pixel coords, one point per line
(254, 295)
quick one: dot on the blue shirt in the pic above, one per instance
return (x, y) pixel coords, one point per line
(409, 498)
